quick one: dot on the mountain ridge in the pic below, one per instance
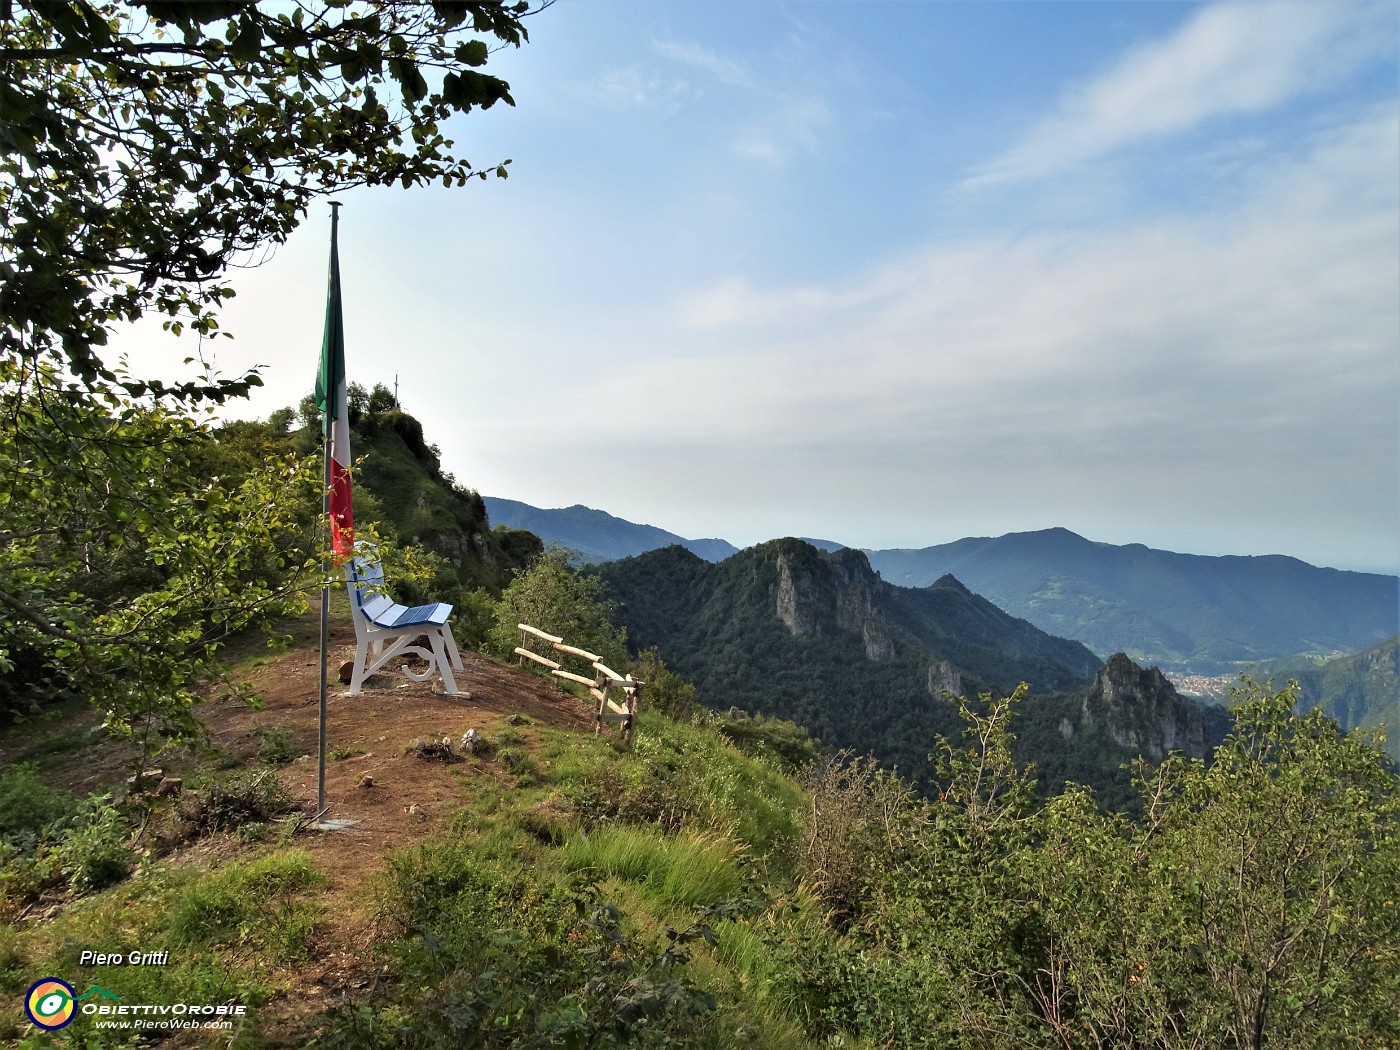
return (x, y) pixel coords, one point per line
(1211, 614)
(819, 638)
(596, 535)
(787, 630)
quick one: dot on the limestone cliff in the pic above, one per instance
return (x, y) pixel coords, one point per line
(815, 595)
(1141, 711)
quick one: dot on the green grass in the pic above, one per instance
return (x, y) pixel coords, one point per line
(227, 931)
(253, 903)
(689, 868)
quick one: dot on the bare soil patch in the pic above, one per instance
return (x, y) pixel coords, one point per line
(404, 801)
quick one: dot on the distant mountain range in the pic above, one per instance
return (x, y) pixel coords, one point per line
(1182, 612)
(1208, 615)
(596, 535)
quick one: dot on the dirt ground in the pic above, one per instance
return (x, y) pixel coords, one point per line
(407, 798)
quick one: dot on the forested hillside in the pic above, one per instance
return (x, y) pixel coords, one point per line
(816, 637)
(1360, 690)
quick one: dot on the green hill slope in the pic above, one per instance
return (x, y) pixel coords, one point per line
(426, 506)
(1361, 690)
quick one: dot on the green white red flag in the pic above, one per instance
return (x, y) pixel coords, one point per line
(335, 416)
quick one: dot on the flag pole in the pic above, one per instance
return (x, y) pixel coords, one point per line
(333, 382)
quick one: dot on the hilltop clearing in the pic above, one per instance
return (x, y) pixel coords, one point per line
(409, 799)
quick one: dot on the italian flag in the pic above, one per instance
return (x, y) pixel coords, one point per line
(335, 417)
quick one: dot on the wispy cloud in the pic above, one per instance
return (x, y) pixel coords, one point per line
(1227, 59)
(791, 127)
(631, 87)
(725, 70)
(1279, 316)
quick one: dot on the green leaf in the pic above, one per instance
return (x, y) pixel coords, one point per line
(471, 53)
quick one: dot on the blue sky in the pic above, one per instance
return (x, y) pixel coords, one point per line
(897, 273)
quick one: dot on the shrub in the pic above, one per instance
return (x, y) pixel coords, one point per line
(492, 960)
(665, 691)
(93, 852)
(786, 743)
(554, 598)
(26, 805)
(277, 747)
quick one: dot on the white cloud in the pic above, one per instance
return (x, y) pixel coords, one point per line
(791, 127)
(1278, 319)
(725, 70)
(1227, 59)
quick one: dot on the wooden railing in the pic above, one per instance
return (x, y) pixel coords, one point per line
(603, 685)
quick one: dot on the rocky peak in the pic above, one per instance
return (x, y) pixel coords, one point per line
(1141, 709)
(943, 678)
(817, 592)
(797, 598)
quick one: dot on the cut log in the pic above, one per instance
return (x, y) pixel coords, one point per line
(573, 677)
(572, 651)
(538, 633)
(551, 664)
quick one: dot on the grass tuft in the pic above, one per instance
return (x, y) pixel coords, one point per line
(684, 869)
(251, 903)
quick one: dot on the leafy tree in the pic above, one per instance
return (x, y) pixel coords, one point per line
(665, 690)
(356, 398)
(148, 146)
(281, 421)
(552, 597)
(125, 559)
(309, 413)
(381, 399)
(1253, 905)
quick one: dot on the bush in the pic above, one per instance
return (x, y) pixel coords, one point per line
(786, 743)
(26, 805)
(552, 597)
(87, 850)
(94, 852)
(277, 747)
(665, 691)
(492, 960)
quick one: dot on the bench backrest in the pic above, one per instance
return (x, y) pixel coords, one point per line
(364, 576)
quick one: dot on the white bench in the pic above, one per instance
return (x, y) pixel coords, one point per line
(384, 629)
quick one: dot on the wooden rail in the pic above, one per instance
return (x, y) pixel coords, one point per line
(601, 686)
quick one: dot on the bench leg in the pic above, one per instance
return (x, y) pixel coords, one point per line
(451, 644)
(444, 664)
(357, 676)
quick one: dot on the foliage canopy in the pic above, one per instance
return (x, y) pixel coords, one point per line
(149, 146)
(132, 545)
